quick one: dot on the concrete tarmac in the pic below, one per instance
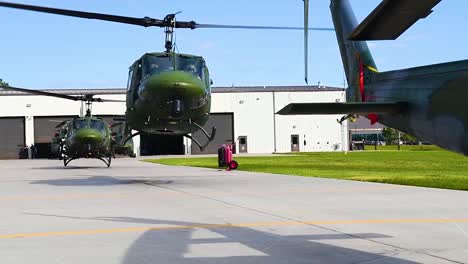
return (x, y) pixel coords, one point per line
(136, 212)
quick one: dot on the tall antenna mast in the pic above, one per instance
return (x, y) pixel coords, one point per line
(170, 24)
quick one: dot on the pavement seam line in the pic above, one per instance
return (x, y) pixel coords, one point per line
(239, 225)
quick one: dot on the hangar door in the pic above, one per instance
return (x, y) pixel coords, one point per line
(224, 123)
(12, 138)
(44, 130)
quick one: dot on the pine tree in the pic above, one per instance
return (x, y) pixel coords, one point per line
(3, 83)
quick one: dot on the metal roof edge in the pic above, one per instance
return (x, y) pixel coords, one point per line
(243, 89)
(232, 89)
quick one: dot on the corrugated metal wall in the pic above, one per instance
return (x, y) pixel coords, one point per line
(316, 132)
(254, 117)
(11, 137)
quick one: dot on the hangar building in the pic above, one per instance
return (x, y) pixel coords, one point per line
(244, 116)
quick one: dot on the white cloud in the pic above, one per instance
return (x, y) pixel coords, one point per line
(206, 45)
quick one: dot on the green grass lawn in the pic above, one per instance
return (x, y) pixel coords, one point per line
(426, 166)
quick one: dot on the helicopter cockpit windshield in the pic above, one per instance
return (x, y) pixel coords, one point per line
(85, 123)
(80, 123)
(97, 124)
(153, 64)
(192, 65)
(156, 65)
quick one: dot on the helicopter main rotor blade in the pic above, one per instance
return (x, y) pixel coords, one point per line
(306, 40)
(38, 92)
(100, 100)
(86, 98)
(260, 27)
(62, 123)
(116, 124)
(145, 22)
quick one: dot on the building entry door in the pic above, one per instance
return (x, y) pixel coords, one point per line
(243, 144)
(294, 143)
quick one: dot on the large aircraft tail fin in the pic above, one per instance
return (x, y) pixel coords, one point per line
(391, 18)
(355, 55)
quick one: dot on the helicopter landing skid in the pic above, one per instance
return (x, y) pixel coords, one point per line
(107, 160)
(208, 136)
(130, 137)
(67, 160)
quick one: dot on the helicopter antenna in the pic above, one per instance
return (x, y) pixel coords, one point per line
(176, 47)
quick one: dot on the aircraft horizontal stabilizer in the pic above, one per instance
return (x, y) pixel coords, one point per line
(342, 108)
(391, 18)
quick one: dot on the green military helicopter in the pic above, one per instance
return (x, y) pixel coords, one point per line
(63, 147)
(82, 137)
(427, 102)
(168, 93)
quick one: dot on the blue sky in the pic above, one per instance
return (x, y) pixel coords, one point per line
(49, 51)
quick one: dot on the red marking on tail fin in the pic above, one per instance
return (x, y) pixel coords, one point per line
(361, 81)
(373, 118)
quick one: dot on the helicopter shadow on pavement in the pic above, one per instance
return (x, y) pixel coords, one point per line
(97, 181)
(226, 245)
(244, 245)
(70, 168)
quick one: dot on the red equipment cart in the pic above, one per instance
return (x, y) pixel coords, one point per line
(225, 157)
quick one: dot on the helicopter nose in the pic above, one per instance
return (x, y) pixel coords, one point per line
(176, 108)
(173, 88)
(88, 136)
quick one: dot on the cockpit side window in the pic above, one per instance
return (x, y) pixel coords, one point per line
(130, 78)
(206, 79)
